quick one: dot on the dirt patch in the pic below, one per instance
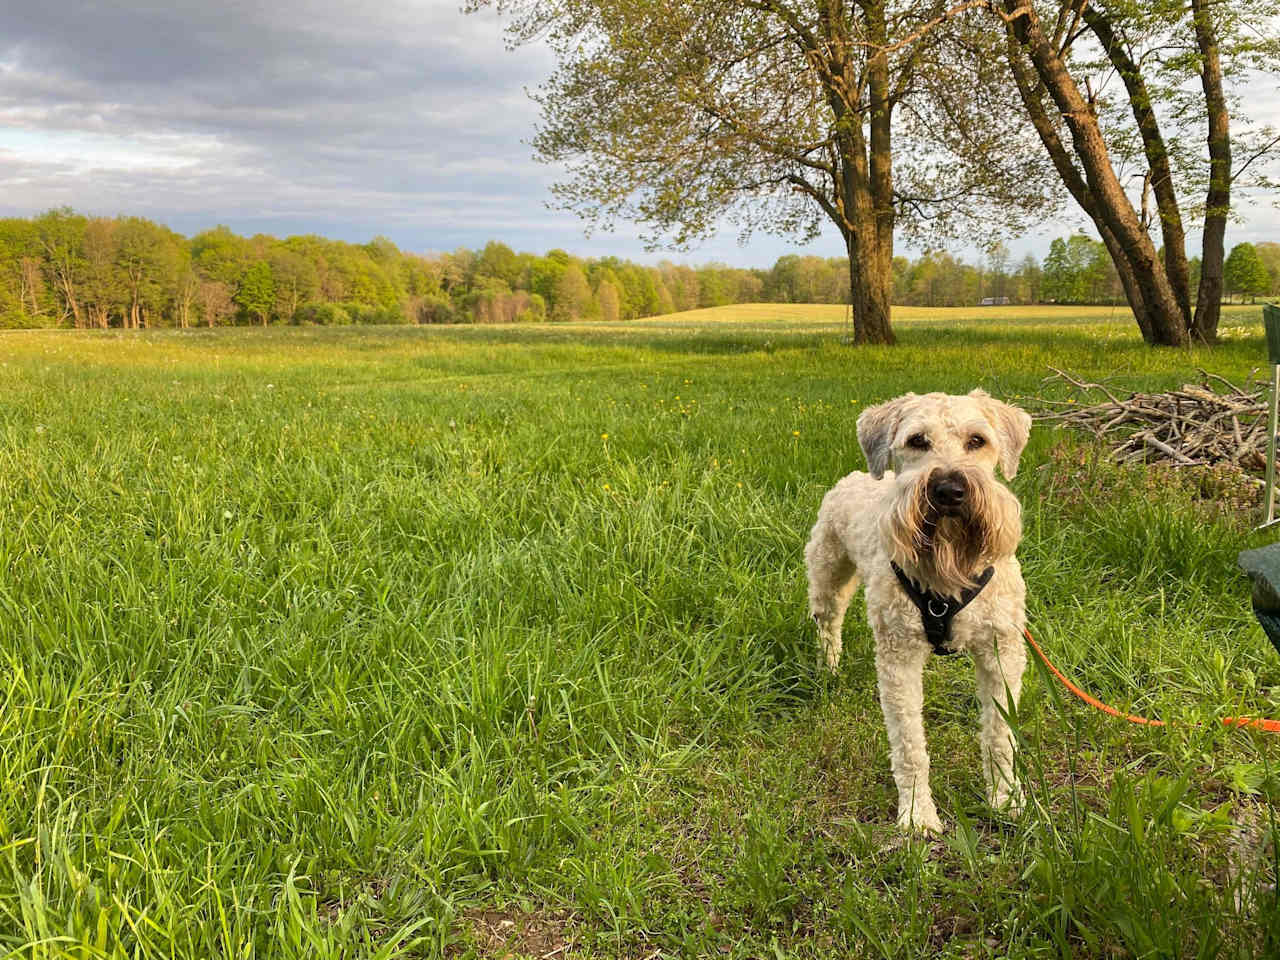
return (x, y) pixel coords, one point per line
(509, 933)
(332, 908)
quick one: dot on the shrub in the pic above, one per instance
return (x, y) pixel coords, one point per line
(322, 314)
(365, 313)
(534, 311)
(431, 308)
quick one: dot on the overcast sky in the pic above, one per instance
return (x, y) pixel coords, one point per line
(392, 117)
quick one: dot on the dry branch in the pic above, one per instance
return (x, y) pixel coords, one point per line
(1202, 424)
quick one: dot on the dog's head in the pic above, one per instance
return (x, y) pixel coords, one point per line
(950, 516)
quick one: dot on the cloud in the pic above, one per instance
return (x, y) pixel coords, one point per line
(404, 118)
(288, 116)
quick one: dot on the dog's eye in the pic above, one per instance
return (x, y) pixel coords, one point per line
(976, 442)
(918, 441)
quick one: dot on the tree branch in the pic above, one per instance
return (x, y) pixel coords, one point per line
(1262, 151)
(806, 187)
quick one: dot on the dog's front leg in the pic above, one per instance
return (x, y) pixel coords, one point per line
(999, 668)
(900, 676)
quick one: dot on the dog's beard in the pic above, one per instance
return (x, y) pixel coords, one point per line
(946, 551)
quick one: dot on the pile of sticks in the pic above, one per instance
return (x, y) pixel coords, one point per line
(1203, 424)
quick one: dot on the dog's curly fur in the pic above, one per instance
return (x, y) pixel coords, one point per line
(937, 443)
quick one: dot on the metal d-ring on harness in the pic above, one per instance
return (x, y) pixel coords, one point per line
(937, 611)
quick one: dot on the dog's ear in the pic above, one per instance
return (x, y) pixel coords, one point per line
(876, 427)
(1012, 426)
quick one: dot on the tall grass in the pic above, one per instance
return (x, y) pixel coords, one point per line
(324, 642)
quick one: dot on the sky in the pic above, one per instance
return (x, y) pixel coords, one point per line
(405, 119)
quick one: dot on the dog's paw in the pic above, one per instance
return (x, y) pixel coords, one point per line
(829, 653)
(916, 820)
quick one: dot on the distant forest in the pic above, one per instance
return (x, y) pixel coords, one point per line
(64, 269)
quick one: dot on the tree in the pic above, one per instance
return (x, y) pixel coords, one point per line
(682, 283)
(1027, 281)
(23, 289)
(1078, 270)
(61, 235)
(665, 302)
(607, 295)
(1061, 61)
(1269, 254)
(221, 255)
(499, 261)
(186, 288)
(997, 270)
(535, 312)
(296, 281)
(572, 297)
(1058, 284)
(102, 287)
(147, 261)
(875, 114)
(215, 301)
(257, 293)
(544, 274)
(1244, 273)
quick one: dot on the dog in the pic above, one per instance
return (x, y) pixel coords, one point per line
(933, 540)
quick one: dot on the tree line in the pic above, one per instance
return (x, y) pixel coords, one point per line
(916, 117)
(71, 270)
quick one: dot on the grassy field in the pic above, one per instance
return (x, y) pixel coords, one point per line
(485, 642)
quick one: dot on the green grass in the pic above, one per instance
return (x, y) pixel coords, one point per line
(408, 642)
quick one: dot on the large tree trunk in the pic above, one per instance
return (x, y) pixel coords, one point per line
(1030, 92)
(1217, 202)
(1156, 301)
(1132, 290)
(880, 276)
(869, 291)
(866, 188)
(1171, 229)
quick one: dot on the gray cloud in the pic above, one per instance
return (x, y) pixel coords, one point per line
(393, 117)
(397, 117)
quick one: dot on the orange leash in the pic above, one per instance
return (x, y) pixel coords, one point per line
(1255, 723)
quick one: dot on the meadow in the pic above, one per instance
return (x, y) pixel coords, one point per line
(492, 641)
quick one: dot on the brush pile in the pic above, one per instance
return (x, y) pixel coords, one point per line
(1206, 424)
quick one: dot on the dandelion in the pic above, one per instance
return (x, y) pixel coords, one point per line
(604, 436)
(795, 433)
(607, 487)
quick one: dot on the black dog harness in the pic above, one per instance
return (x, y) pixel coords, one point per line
(937, 611)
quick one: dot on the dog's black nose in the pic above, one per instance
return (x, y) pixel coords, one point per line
(949, 491)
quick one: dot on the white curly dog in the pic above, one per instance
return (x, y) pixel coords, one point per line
(933, 540)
